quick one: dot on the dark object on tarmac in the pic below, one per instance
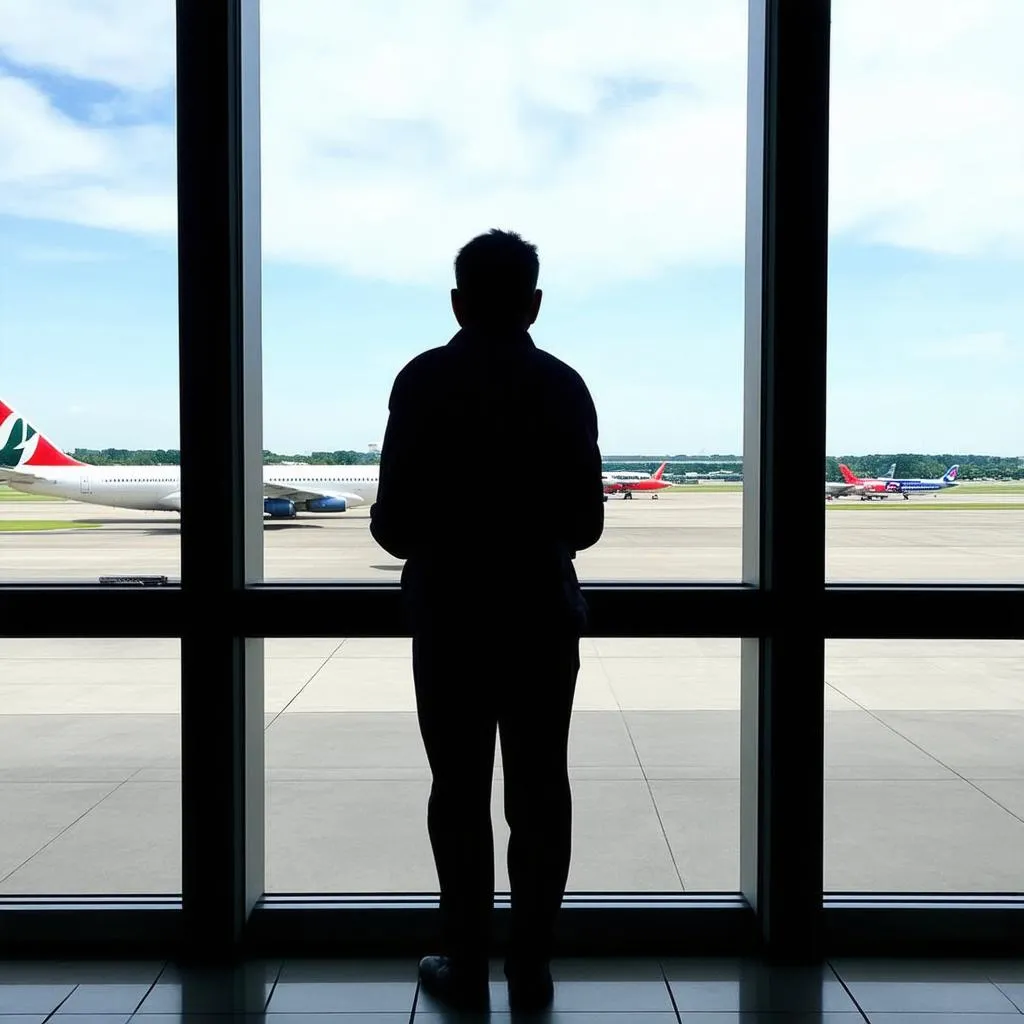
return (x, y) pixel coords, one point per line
(133, 581)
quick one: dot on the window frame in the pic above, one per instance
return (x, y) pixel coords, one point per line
(783, 610)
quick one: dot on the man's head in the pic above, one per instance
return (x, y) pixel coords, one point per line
(496, 282)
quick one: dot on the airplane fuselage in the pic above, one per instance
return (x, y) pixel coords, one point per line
(625, 482)
(924, 485)
(158, 488)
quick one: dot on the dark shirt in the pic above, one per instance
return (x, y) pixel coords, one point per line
(490, 480)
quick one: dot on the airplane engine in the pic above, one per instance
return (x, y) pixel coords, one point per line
(326, 505)
(279, 508)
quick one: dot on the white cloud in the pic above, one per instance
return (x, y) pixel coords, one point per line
(126, 43)
(392, 136)
(392, 132)
(927, 104)
(55, 167)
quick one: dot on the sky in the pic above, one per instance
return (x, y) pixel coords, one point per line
(610, 135)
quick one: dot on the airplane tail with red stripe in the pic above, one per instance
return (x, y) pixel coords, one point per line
(848, 475)
(22, 445)
(659, 471)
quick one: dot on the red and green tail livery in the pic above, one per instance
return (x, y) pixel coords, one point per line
(22, 445)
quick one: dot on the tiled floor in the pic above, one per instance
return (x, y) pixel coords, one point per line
(646, 991)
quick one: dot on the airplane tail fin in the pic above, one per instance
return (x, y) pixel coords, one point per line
(848, 475)
(891, 473)
(659, 471)
(22, 445)
(951, 474)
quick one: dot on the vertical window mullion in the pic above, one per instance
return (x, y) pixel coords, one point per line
(782, 732)
(221, 545)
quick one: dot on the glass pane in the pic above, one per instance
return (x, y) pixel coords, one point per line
(924, 753)
(653, 767)
(612, 137)
(90, 767)
(926, 313)
(88, 320)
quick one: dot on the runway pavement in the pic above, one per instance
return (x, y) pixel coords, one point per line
(681, 536)
(925, 740)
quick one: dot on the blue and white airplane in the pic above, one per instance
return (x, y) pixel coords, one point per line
(908, 486)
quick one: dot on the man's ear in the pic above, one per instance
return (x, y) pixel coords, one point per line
(535, 306)
(457, 307)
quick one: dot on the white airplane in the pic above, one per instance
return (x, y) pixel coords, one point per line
(29, 462)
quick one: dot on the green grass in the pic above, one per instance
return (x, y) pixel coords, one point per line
(939, 506)
(34, 525)
(6, 494)
(1006, 487)
(703, 488)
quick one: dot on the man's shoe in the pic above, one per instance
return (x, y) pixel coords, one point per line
(459, 988)
(530, 989)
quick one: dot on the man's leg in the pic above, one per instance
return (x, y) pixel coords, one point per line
(458, 724)
(534, 725)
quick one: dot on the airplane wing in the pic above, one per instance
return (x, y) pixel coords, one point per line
(305, 494)
(16, 476)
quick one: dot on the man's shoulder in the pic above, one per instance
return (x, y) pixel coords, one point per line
(421, 373)
(444, 361)
(559, 371)
(426, 362)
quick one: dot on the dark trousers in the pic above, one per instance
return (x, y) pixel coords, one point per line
(470, 686)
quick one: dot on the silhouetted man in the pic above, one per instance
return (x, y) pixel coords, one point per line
(490, 482)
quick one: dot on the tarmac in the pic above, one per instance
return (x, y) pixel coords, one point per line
(924, 740)
(688, 536)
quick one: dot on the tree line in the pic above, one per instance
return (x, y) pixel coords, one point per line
(912, 465)
(172, 457)
(972, 467)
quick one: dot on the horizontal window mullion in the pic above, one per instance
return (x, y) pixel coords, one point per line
(306, 611)
(856, 612)
(82, 611)
(902, 612)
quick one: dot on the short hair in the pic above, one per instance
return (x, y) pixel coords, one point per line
(496, 274)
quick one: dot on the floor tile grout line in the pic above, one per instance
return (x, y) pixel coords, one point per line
(273, 987)
(56, 1009)
(671, 994)
(963, 778)
(295, 696)
(415, 1001)
(152, 985)
(161, 972)
(1005, 994)
(848, 991)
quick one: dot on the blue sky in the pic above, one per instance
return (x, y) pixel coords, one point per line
(620, 157)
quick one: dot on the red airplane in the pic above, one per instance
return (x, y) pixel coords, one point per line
(872, 487)
(626, 483)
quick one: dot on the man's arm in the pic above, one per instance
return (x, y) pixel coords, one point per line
(585, 492)
(393, 521)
